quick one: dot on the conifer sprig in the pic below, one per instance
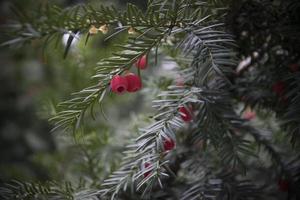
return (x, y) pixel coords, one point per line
(74, 110)
(161, 25)
(222, 186)
(204, 82)
(49, 190)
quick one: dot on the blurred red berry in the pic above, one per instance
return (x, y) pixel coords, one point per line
(244, 98)
(141, 62)
(185, 114)
(118, 84)
(179, 81)
(294, 67)
(278, 88)
(147, 166)
(283, 185)
(134, 82)
(249, 115)
(169, 144)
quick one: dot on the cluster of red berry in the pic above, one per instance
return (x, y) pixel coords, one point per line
(130, 82)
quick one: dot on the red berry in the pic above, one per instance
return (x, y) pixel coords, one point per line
(179, 82)
(249, 115)
(185, 114)
(278, 88)
(134, 82)
(294, 67)
(147, 166)
(283, 185)
(118, 84)
(244, 98)
(141, 62)
(169, 144)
